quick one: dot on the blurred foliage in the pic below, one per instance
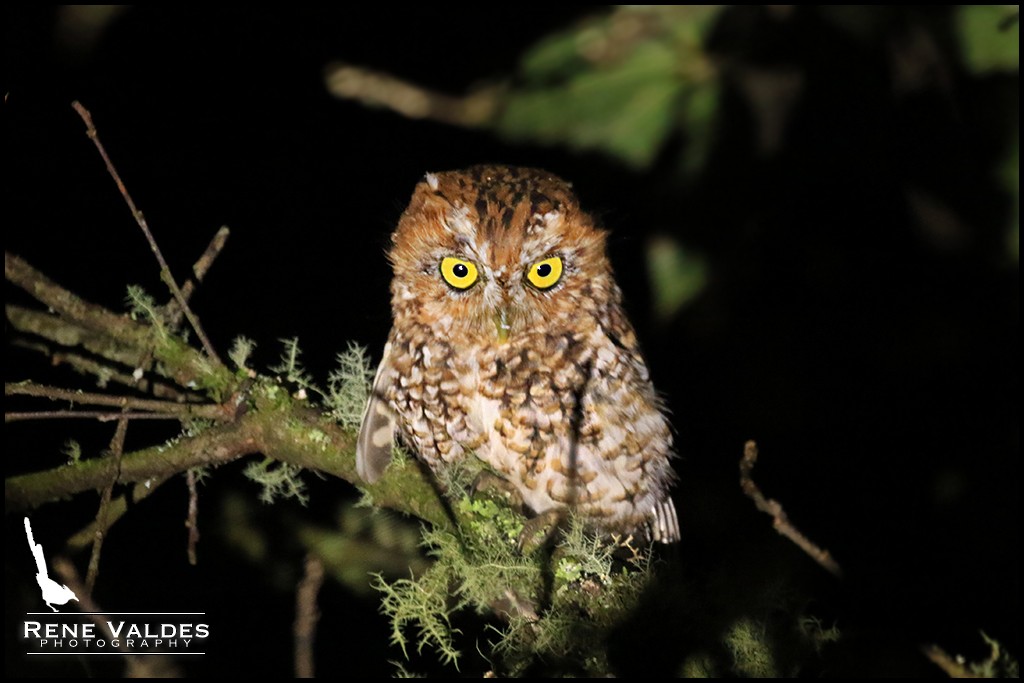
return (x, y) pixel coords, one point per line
(362, 542)
(635, 81)
(366, 542)
(989, 37)
(677, 276)
(621, 83)
(655, 86)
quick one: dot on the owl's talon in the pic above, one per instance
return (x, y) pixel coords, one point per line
(494, 487)
(540, 530)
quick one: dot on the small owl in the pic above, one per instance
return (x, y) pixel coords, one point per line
(510, 345)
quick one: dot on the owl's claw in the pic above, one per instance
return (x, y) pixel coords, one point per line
(540, 530)
(537, 531)
(492, 486)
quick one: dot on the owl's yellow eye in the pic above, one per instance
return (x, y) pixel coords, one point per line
(458, 273)
(545, 274)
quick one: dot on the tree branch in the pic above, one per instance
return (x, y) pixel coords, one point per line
(102, 416)
(781, 521)
(115, 337)
(282, 428)
(192, 520)
(210, 411)
(104, 373)
(264, 419)
(117, 451)
(199, 269)
(307, 615)
(116, 509)
(379, 89)
(165, 270)
(214, 446)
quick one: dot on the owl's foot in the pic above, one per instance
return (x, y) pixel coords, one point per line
(540, 530)
(492, 486)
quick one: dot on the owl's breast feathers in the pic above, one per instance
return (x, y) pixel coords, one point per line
(570, 419)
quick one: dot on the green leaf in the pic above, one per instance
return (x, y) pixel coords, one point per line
(989, 41)
(621, 83)
(677, 276)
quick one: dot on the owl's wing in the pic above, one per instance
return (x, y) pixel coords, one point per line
(377, 431)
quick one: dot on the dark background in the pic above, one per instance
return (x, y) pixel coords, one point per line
(868, 350)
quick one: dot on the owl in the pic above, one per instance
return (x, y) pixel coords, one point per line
(510, 345)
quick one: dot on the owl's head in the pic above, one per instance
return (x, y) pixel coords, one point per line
(493, 253)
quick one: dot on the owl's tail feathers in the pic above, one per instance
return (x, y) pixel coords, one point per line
(664, 526)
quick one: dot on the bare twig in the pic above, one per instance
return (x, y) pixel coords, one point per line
(116, 509)
(199, 270)
(378, 89)
(117, 450)
(112, 336)
(307, 615)
(210, 254)
(211, 411)
(138, 667)
(192, 521)
(90, 317)
(774, 508)
(950, 665)
(105, 373)
(100, 415)
(165, 270)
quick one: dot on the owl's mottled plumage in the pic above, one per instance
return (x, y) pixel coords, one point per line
(544, 382)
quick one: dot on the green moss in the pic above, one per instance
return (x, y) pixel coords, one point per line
(73, 450)
(241, 351)
(348, 386)
(278, 480)
(751, 651)
(558, 607)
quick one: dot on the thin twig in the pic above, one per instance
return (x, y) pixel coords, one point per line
(210, 254)
(106, 374)
(138, 667)
(165, 270)
(199, 269)
(100, 415)
(92, 399)
(192, 522)
(117, 508)
(950, 665)
(109, 335)
(774, 508)
(94, 319)
(117, 450)
(379, 89)
(307, 615)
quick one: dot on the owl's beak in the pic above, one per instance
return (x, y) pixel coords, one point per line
(501, 323)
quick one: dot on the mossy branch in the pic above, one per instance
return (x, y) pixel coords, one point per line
(251, 415)
(113, 336)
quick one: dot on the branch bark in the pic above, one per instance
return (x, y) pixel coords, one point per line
(780, 519)
(264, 418)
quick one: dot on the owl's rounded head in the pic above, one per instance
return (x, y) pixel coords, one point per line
(492, 253)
